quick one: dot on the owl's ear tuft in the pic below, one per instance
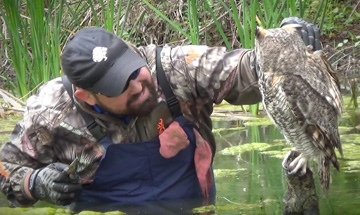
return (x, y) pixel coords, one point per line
(260, 32)
(292, 27)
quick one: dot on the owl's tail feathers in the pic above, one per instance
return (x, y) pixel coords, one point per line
(324, 172)
(324, 142)
(335, 162)
(329, 153)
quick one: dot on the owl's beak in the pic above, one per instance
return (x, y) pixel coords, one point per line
(260, 33)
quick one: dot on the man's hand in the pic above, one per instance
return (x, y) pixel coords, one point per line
(309, 33)
(52, 184)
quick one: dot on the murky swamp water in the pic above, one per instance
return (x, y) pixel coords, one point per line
(248, 172)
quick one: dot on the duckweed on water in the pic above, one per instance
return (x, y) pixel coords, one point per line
(263, 147)
(228, 129)
(260, 121)
(351, 166)
(234, 208)
(99, 213)
(220, 173)
(114, 213)
(343, 129)
(51, 211)
(204, 209)
(350, 138)
(350, 118)
(276, 150)
(351, 151)
(235, 150)
(32, 211)
(280, 154)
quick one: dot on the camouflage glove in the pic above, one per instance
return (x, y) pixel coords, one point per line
(52, 184)
(309, 33)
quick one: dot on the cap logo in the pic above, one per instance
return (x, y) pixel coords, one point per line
(99, 54)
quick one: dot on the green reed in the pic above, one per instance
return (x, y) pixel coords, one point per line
(245, 14)
(192, 14)
(109, 14)
(33, 42)
(173, 24)
(36, 30)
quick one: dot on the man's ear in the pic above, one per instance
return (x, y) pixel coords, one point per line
(85, 96)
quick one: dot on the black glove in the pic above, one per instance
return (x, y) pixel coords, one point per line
(52, 184)
(309, 33)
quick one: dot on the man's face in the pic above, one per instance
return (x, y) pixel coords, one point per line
(138, 99)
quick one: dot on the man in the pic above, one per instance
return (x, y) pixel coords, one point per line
(135, 148)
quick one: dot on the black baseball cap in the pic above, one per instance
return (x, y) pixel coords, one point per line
(97, 60)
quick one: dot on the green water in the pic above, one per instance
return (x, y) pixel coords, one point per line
(248, 172)
(254, 180)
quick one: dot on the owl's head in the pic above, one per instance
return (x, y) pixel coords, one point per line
(279, 50)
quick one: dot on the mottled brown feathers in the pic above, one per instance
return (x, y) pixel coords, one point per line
(301, 95)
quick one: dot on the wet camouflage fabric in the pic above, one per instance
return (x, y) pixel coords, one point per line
(53, 131)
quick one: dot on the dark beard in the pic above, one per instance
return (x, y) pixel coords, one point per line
(147, 106)
(142, 109)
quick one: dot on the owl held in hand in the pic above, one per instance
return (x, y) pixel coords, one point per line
(301, 95)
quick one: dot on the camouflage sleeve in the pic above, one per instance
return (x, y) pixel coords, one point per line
(245, 88)
(211, 74)
(30, 144)
(12, 174)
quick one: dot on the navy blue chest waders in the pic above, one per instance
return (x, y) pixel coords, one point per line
(135, 172)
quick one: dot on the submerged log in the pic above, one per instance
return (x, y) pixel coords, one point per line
(301, 197)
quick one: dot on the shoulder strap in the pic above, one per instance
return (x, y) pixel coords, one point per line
(171, 100)
(91, 124)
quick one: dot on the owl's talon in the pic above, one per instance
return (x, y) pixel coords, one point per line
(286, 160)
(298, 165)
(294, 163)
(303, 170)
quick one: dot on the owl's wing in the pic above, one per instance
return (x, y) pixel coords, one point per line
(314, 113)
(320, 75)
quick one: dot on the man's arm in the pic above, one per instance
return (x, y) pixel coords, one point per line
(18, 161)
(31, 143)
(245, 88)
(202, 74)
(211, 74)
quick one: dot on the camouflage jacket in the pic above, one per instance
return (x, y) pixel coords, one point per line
(53, 131)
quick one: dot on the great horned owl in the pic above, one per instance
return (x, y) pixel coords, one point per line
(301, 95)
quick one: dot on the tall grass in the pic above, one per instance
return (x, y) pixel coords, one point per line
(16, 50)
(36, 29)
(209, 8)
(173, 24)
(244, 14)
(192, 13)
(109, 14)
(33, 46)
